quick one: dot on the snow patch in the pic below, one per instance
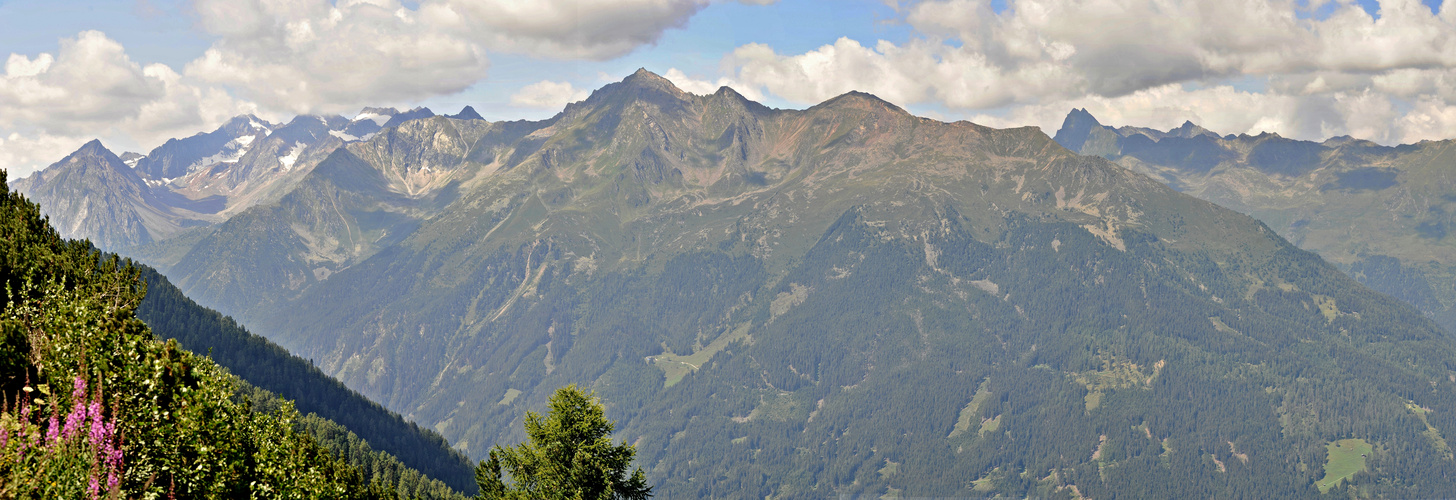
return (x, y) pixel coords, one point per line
(230, 153)
(288, 160)
(340, 134)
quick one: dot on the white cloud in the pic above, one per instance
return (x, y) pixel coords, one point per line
(311, 56)
(547, 94)
(91, 84)
(704, 87)
(20, 155)
(314, 57)
(1223, 109)
(1335, 75)
(52, 103)
(574, 29)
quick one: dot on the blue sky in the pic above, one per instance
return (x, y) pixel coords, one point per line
(135, 73)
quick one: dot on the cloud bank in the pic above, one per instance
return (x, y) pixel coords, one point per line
(1306, 69)
(1390, 78)
(279, 58)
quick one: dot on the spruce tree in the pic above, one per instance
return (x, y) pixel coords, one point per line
(570, 456)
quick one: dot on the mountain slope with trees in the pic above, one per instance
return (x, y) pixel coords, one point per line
(843, 300)
(1380, 213)
(145, 417)
(328, 405)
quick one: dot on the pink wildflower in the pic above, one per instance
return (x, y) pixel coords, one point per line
(53, 432)
(78, 390)
(98, 430)
(94, 487)
(74, 420)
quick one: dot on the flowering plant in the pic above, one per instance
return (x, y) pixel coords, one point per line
(75, 455)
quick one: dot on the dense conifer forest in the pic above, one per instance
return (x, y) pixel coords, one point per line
(341, 419)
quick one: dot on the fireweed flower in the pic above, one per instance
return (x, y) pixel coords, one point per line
(74, 420)
(98, 428)
(53, 432)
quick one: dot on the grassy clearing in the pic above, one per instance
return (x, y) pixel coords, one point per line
(972, 409)
(675, 367)
(889, 469)
(1219, 325)
(509, 397)
(990, 425)
(1327, 307)
(1346, 457)
(1432, 432)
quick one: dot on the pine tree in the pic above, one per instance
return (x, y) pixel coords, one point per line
(570, 456)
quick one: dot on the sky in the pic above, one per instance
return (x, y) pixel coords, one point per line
(134, 73)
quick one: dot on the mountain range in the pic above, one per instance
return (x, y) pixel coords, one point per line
(841, 300)
(121, 202)
(1380, 213)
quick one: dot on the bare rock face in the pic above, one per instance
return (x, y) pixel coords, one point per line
(93, 194)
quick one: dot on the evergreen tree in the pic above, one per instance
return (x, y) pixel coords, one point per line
(570, 456)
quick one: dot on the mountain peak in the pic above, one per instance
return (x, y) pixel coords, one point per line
(1189, 130)
(93, 147)
(857, 99)
(413, 114)
(468, 113)
(1075, 129)
(649, 80)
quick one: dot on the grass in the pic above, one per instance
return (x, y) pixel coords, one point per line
(971, 411)
(1346, 457)
(675, 367)
(990, 425)
(1432, 432)
(510, 396)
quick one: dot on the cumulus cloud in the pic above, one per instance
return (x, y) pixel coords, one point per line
(90, 84)
(311, 56)
(1227, 110)
(547, 94)
(702, 86)
(22, 154)
(315, 57)
(277, 58)
(1334, 75)
(52, 103)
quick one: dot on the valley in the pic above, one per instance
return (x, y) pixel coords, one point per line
(845, 299)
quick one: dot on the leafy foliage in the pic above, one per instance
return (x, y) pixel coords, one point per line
(570, 456)
(68, 320)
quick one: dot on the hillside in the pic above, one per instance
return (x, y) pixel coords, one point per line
(1380, 213)
(270, 368)
(162, 420)
(843, 300)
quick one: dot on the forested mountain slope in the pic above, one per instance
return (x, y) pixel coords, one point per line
(1380, 213)
(843, 300)
(263, 364)
(132, 416)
